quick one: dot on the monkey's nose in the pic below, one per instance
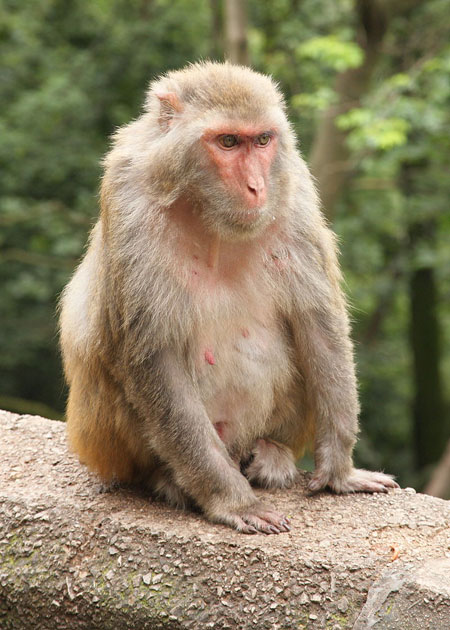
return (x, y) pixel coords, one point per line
(256, 193)
(256, 186)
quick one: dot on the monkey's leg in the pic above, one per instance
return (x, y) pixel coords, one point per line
(326, 362)
(178, 429)
(272, 466)
(288, 433)
(103, 429)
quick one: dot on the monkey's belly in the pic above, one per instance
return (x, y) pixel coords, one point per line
(240, 377)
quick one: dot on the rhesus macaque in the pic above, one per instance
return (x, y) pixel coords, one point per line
(205, 335)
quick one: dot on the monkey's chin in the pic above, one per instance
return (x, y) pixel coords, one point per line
(232, 220)
(244, 224)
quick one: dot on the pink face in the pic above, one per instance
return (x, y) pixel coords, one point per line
(243, 157)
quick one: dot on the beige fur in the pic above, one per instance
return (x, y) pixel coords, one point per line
(190, 341)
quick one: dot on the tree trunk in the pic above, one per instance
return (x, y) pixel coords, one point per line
(329, 156)
(236, 31)
(216, 29)
(439, 484)
(428, 407)
(429, 426)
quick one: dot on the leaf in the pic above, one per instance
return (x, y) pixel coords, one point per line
(331, 51)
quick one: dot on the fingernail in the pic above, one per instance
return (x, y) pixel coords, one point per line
(274, 529)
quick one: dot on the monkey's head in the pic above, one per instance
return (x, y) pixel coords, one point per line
(221, 139)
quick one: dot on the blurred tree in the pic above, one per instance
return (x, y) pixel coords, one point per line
(439, 484)
(236, 49)
(329, 153)
(217, 30)
(422, 188)
(430, 429)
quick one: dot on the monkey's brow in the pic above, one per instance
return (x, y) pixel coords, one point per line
(241, 132)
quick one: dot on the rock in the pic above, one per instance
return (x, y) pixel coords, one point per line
(415, 596)
(74, 557)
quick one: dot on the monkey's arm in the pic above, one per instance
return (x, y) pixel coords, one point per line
(324, 354)
(178, 430)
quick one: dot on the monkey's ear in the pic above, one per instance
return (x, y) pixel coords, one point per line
(170, 105)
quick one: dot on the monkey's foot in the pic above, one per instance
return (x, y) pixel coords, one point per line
(273, 465)
(357, 481)
(256, 518)
(167, 490)
(109, 486)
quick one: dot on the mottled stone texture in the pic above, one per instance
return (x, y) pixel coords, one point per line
(74, 557)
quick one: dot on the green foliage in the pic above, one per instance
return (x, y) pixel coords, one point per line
(332, 52)
(371, 132)
(320, 100)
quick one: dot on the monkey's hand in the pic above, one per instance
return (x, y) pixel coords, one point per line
(236, 505)
(257, 517)
(356, 480)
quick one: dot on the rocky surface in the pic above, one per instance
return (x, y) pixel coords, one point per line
(74, 557)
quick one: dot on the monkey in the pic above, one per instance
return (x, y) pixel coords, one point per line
(205, 335)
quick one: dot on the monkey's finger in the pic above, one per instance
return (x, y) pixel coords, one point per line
(248, 529)
(268, 522)
(241, 525)
(316, 484)
(365, 481)
(385, 480)
(364, 486)
(274, 530)
(386, 484)
(375, 487)
(260, 524)
(283, 523)
(264, 527)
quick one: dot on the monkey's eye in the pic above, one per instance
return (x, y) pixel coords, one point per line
(228, 141)
(263, 139)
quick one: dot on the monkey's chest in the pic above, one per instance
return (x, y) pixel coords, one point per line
(241, 368)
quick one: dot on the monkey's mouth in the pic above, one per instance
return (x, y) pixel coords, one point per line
(250, 215)
(247, 221)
